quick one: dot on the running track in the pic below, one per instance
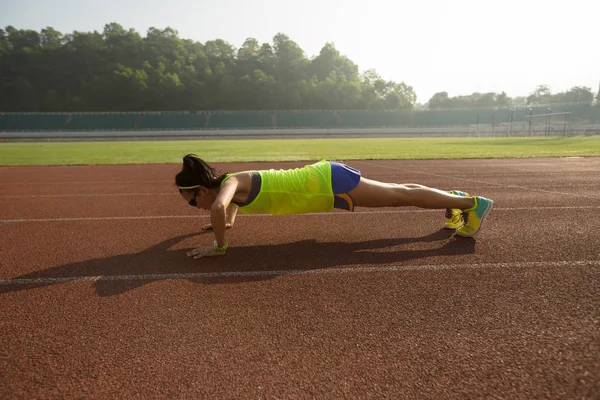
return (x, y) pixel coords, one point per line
(98, 299)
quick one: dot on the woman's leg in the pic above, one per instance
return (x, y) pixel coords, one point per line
(370, 193)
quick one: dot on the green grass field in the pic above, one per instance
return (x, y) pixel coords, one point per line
(83, 153)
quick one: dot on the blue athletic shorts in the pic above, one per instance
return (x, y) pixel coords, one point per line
(343, 180)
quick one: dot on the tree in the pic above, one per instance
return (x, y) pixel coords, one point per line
(289, 70)
(219, 51)
(249, 50)
(118, 69)
(519, 101)
(22, 94)
(266, 59)
(5, 43)
(372, 86)
(248, 58)
(577, 94)
(486, 100)
(441, 100)
(330, 60)
(438, 100)
(51, 39)
(23, 41)
(541, 95)
(502, 100)
(398, 96)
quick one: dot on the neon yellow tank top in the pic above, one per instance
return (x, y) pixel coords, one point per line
(294, 191)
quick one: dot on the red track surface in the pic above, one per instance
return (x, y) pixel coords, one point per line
(98, 299)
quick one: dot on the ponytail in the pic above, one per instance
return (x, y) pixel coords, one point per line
(196, 172)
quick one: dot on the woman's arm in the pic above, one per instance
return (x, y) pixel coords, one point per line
(217, 211)
(230, 219)
(218, 220)
(231, 213)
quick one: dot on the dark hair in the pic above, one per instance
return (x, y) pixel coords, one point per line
(197, 172)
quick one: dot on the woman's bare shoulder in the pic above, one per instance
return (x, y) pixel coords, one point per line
(243, 179)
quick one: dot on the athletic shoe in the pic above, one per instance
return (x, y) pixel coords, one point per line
(474, 217)
(454, 217)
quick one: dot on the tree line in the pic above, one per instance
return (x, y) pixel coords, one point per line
(119, 70)
(542, 95)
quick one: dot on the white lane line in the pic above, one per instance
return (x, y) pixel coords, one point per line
(90, 195)
(176, 194)
(399, 211)
(69, 183)
(8, 221)
(461, 178)
(319, 271)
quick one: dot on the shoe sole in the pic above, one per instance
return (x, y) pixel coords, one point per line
(452, 228)
(485, 213)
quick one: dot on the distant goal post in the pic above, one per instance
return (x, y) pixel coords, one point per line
(549, 123)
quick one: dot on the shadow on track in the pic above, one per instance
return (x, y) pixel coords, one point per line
(120, 274)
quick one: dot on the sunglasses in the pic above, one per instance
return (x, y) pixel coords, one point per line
(192, 201)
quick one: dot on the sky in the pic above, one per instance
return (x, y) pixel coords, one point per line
(459, 47)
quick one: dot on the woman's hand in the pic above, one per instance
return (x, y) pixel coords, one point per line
(208, 227)
(205, 252)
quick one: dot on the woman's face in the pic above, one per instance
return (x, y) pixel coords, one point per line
(200, 198)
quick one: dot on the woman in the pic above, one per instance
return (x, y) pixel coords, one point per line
(318, 187)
